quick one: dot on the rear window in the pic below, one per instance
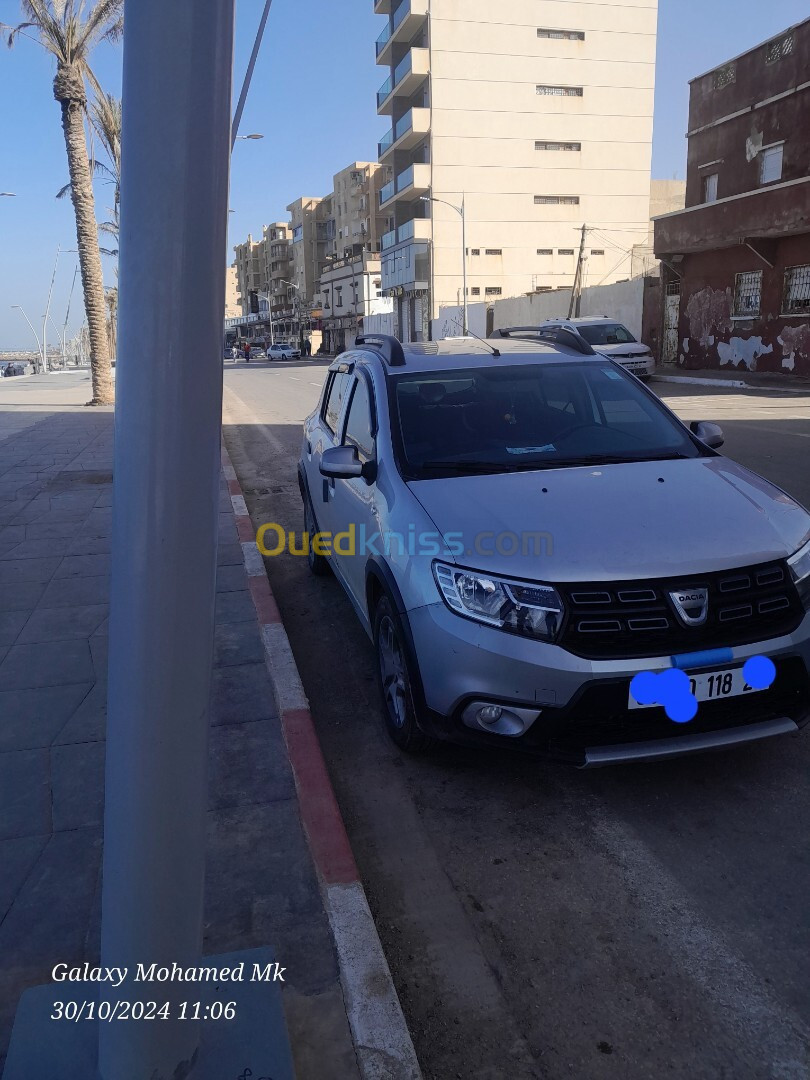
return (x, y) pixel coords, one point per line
(607, 334)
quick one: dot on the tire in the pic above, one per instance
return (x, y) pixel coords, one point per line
(395, 682)
(318, 564)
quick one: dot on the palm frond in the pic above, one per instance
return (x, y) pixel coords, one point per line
(102, 21)
(109, 251)
(40, 14)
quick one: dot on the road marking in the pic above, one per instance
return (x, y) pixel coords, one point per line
(293, 379)
(776, 431)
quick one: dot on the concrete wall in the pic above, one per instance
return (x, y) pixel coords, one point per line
(623, 301)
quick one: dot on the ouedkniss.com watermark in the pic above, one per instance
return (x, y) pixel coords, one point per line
(273, 539)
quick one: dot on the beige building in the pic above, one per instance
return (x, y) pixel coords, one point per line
(359, 223)
(351, 292)
(539, 116)
(232, 306)
(250, 271)
(277, 245)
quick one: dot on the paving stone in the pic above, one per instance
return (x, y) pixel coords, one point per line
(231, 578)
(36, 549)
(52, 530)
(11, 623)
(35, 717)
(77, 783)
(99, 652)
(83, 566)
(90, 545)
(235, 607)
(230, 555)
(89, 721)
(11, 535)
(22, 570)
(29, 666)
(25, 794)
(237, 643)
(21, 595)
(17, 857)
(240, 694)
(61, 624)
(77, 591)
(248, 764)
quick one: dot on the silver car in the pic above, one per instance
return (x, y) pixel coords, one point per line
(523, 529)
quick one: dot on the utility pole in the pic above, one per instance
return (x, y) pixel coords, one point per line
(47, 313)
(575, 307)
(177, 124)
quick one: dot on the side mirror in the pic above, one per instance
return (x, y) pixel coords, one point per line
(341, 463)
(710, 434)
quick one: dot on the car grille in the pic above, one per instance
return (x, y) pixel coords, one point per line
(619, 620)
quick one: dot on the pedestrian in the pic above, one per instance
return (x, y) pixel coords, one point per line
(234, 352)
(247, 352)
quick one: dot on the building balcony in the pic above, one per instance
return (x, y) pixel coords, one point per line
(408, 132)
(415, 229)
(413, 181)
(408, 76)
(388, 240)
(382, 7)
(765, 214)
(403, 25)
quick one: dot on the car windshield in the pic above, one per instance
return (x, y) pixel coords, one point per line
(538, 416)
(606, 334)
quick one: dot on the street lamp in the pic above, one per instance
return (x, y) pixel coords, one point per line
(265, 296)
(17, 307)
(254, 136)
(8, 194)
(298, 305)
(460, 210)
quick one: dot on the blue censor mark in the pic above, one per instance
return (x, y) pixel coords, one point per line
(673, 688)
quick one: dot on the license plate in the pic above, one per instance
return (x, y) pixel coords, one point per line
(711, 686)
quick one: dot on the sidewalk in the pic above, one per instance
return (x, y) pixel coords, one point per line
(733, 379)
(262, 887)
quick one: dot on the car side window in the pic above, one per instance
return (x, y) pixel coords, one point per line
(358, 423)
(334, 400)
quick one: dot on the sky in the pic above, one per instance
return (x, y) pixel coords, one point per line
(313, 98)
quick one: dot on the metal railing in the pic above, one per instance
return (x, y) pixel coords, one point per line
(387, 192)
(384, 38)
(384, 91)
(389, 239)
(386, 141)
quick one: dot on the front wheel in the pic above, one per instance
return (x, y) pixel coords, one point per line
(394, 681)
(318, 564)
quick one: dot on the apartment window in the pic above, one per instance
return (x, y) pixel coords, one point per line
(561, 35)
(710, 188)
(473, 251)
(565, 251)
(560, 91)
(556, 200)
(493, 290)
(475, 291)
(494, 251)
(747, 294)
(770, 164)
(725, 76)
(796, 299)
(779, 49)
(597, 251)
(545, 251)
(570, 146)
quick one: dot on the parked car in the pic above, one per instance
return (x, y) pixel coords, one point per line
(522, 528)
(610, 338)
(283, 352)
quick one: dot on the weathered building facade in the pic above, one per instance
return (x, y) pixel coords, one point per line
(737, 259)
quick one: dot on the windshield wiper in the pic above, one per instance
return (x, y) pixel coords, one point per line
(617, 459)
(465, 466)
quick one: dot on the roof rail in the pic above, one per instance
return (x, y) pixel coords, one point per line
(388, 345)
(559, 335)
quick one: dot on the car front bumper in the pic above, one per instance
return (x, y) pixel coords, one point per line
(577, 709)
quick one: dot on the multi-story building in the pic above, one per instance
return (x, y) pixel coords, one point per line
(359, 223)
(737, 259)
(232, 306)
(277, 245)
(537, 118)
(351, 290)
(250, 274)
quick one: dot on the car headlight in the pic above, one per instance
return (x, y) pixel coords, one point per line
(800, 569)
(527, 608)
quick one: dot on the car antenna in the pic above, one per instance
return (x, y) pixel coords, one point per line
(489, 345)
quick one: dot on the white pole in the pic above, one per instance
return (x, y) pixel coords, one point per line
(257, 44)
(464, 257)
(47, 313)
(177, 125)
(33, 331)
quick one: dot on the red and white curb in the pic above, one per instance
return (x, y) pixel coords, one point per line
(381, 1038)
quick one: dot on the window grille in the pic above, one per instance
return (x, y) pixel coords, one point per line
(796, 299)
(560, 91)
(779, 49)
(573, 146)
(725, 76)
(748, 294)
(556, 200)
(561, 35)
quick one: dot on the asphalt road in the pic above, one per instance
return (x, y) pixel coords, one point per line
(640, 922)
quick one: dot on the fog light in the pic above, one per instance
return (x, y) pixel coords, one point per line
(490, 714)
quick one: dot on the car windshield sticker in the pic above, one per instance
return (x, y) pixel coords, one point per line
(548, 449)
(612, 374)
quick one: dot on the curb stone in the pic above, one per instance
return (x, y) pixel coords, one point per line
(381, 1038)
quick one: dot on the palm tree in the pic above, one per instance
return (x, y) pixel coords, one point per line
(105, 116)
(65, 30)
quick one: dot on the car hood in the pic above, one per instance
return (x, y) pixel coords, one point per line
(616, 522)
(631, 348)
